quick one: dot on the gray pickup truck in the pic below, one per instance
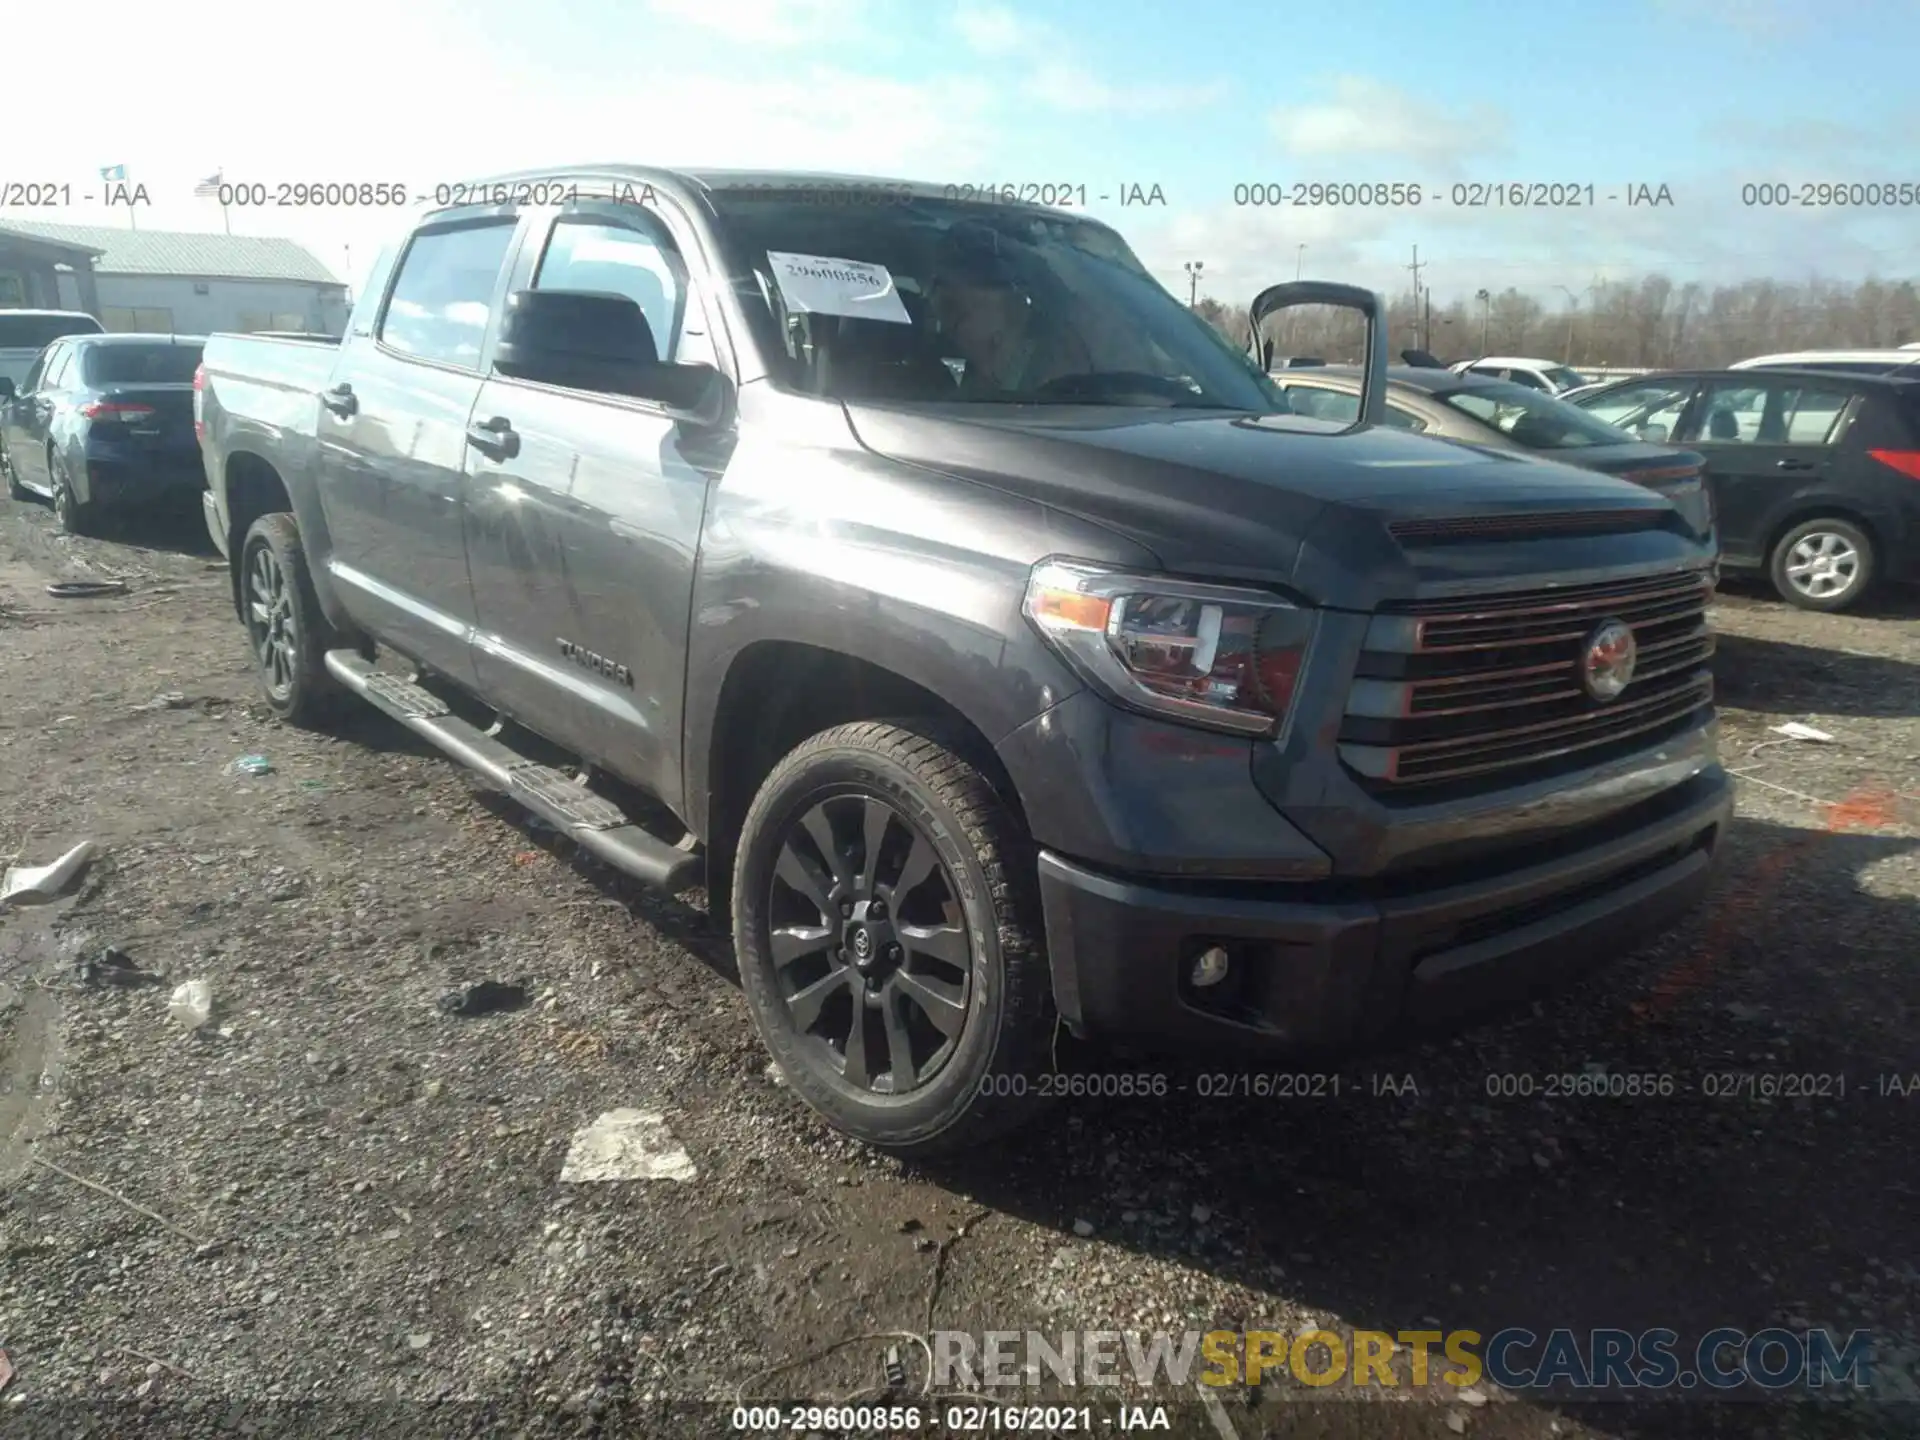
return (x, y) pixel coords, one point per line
(976, 624)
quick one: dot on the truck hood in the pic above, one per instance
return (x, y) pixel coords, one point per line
(1288, 500)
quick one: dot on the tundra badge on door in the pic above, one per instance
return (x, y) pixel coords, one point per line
(599, 664)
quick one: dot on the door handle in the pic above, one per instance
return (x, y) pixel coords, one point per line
(495, 438)
(340, 400)
(1793, 464)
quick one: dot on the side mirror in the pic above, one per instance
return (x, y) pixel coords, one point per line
(1652, 434)
(1373, 383)
(6, 389)
(591, 340)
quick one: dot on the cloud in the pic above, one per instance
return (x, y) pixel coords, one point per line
(780, 23)
(1073, 88)
(996, 30)
(1367, 117)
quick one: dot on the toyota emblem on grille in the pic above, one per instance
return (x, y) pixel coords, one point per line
(1606, 666)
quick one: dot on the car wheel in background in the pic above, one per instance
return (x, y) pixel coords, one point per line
(1823, 564)
(74, 517)
(286, 629)
(15, 490)
(886, 920)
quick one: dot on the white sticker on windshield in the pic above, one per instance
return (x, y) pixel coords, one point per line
(822, 285)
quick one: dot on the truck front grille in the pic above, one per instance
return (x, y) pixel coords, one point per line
(1490, 688)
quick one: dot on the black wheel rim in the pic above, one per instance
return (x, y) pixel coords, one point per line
(870, 945)
(270, 621)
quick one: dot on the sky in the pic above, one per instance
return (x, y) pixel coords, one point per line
(1216, 103)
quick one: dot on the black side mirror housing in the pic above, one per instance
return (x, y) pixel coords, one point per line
(6, 389)
(591, 340)
(1373, 381)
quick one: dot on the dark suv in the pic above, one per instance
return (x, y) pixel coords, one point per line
(1815, 475)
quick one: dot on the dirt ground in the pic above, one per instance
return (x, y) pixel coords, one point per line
(339, 1201)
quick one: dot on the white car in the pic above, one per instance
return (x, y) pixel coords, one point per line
(1858, 362)
(1547, 375)
(25, 333)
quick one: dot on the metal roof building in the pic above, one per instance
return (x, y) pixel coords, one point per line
(168, 280)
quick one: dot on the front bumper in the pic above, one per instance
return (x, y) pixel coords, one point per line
(1323, 967)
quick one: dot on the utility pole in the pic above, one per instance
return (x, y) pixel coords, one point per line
(1416, 267)
(1573, 304)
(1299, 260)
(1194, 267)
(1485, 297)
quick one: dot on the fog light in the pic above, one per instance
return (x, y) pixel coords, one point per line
(1211, 967)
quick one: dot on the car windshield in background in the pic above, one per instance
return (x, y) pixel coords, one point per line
(36, 332)
(931, 301)
(1532, 418)
(139, 364)
(1566, 379)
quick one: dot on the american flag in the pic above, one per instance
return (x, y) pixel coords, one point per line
(210, 185)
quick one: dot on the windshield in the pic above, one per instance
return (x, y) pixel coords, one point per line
(1533, 418)
(139, 364)
(36, 332)
(935, 301)
(1564, 379)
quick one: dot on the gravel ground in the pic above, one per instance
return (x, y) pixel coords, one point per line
(335, 1194)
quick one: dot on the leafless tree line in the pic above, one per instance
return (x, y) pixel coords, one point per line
(1651, 322)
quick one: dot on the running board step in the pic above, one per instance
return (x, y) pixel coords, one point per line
(590, 821)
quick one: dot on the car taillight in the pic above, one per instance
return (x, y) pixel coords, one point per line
(199, 401)
(1907, 462)
(116, 410)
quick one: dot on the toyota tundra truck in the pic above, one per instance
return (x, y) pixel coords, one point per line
(975, 624)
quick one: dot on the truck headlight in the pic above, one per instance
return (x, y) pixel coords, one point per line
(1211, 655)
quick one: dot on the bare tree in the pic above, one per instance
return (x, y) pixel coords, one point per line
(1647, 320)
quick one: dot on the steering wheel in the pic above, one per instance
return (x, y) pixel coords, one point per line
(1106, 384)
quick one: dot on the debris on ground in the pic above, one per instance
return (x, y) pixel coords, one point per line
(6, 1370)
(626, 1145)
(113, 966)
(486, 997)
(1083, 1228)
(1794, 730)
(255, 765)
(191, 1004)
(85, 589)
(45, 882)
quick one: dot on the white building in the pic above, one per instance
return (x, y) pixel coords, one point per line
(184, 283)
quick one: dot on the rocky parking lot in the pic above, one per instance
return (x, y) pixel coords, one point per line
(337, 1192)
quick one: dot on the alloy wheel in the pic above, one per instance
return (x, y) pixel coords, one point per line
(870, 944)
(270, 620)
(1823, 564)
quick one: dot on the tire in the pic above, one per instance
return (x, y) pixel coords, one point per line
(15, 490)
(286, 630)
(74, 518)
(972, 1073)
(1823, 564)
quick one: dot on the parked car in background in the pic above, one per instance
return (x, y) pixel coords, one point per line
(1503, 415)
(25, 333)
(103, 422)
(1861, 362)
(1547, 375)
(1815, 475)
(1101, 692)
